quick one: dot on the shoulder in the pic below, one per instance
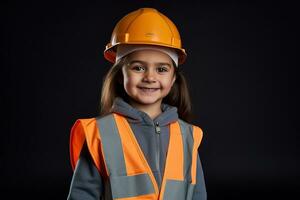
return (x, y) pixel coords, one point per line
(83, 122)
(193, 130)
(82, 126)
(190, 125)
(88, 123)
(85, 130)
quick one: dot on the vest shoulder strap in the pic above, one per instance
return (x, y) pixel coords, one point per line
(192, 137)
(196, 131)
(86, 130)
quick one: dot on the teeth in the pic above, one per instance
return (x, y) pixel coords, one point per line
(149, 89)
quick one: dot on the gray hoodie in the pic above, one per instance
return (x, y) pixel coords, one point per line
(88, 184)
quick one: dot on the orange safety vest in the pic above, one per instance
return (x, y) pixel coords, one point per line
(119, 158)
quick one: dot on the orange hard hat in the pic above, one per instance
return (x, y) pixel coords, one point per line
(145, 26)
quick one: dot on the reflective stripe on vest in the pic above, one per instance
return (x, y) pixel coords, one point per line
(117, 154)
(129, 172)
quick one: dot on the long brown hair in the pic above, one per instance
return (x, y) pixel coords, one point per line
(113, 87)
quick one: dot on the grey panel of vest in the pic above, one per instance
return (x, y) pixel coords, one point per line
(123, 186)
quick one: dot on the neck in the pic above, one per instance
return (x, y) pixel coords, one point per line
(152, 110)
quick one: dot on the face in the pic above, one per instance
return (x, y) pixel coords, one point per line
(148, 77)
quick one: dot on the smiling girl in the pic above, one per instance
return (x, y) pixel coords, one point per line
(142, 145)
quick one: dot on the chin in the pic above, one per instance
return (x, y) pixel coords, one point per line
(147, 100)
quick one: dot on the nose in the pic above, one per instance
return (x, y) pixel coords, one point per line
(149, 76)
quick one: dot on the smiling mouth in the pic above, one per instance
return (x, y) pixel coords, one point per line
(146, 89)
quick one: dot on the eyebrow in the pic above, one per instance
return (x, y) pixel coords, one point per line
(143, 62)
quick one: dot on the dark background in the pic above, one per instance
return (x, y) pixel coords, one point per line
(241, 68)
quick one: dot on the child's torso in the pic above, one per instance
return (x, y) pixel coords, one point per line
(152, 135)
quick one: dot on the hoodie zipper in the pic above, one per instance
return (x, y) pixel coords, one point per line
(157, 128)
(157, 131)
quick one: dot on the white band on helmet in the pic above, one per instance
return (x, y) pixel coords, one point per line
(123, 50)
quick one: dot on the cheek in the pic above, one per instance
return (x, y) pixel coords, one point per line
(125, 80)
(128, 80)
(126, 76)
(167, 83)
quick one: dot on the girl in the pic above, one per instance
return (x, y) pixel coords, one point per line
(141, 146)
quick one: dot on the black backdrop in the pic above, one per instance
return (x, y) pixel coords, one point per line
(241, 70)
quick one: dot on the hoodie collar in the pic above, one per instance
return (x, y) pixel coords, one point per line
(169, 113)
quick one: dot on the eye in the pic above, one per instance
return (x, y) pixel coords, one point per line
(138, 68)
(162, 69)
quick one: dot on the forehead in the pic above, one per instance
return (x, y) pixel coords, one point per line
(149, 56)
